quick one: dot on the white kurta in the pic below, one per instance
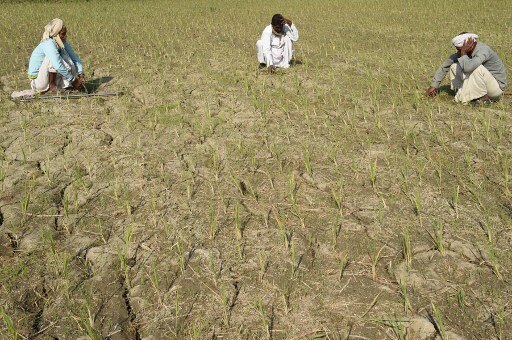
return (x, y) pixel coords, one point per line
(276, 50)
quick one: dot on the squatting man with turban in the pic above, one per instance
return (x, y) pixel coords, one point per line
(275, 48)
(53, 64)
(476, 71)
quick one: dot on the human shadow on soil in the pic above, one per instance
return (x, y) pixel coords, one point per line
(93, 84)
(446, 89)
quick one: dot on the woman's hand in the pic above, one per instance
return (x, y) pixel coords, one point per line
(79, 81)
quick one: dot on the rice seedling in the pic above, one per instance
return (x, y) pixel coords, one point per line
(460, 297)
(344, 262)
(406, 247)
(404, 293)
(266, 322)
(335, 232)
(455, 200)
(372, 169)
(498, 320)
(375, 257)
(13, 333)
(492, 260)
(238, 225)
(396, 325)
(437, 320)
(307, 162)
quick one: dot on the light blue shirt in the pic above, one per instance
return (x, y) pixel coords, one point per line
(48, 49)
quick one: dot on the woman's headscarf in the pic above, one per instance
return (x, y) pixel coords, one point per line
(51, 31)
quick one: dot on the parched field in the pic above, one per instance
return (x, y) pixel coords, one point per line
(215, 200)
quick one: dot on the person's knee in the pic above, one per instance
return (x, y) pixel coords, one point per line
(259, 44)
(481, 71)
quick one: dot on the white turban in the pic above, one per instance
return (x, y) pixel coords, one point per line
(459, 40)
(52, 30)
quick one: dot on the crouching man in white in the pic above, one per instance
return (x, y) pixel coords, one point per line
(275, 48)
(53, 64)
(476, 71)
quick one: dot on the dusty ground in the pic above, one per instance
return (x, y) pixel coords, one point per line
(214, 200)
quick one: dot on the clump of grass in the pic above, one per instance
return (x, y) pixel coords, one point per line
(397, 327)
(13, 332)
(437, 320)
(404, 293)
(344, 262)
(454, 202)
(307, 162)
(372, 170)
(337, 196)
(437, 236)
(375, 257)
(406, 247)
(266, 322)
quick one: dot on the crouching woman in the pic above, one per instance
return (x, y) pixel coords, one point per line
(54, 65)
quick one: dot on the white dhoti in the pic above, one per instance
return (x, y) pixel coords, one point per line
(281, 52)
(474, 85)
(42, 82)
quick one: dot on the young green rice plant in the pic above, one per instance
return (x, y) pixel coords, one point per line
(65, 205)
(216, 272)
(285, 293)
(375, 257)
(486, 123)
(239, 230)
(293, 260)
(455, 201)
(493, 261)
(180, 250)
(335, 232)
(436, 236)
(337, 196)
(460, 297)
(2, 172)
(397, 327)
(214, 225)
(404, 293)
(197, 333)
(224, 296)
(372, 168)
(264, 319)
(155, 282)
(123, 261)
(307, 162)
(13, 332)
(25, 201)
(292, 188)
(88, 324)
(505, 168)
(437, 319)
(406, 247)
(262, 265)
(177, 313)
(372, 304)
(283, 229)
(240, 246)
(418, 205)
(344, 262)
(498, 321)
